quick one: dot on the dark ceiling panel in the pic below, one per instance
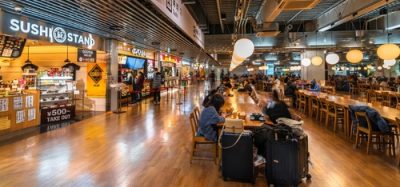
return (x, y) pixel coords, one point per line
(138, 22)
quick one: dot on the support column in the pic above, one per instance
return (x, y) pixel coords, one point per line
(313, 72)
(112, 74)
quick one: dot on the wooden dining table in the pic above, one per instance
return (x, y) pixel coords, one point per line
(241, 102)
(388, 113)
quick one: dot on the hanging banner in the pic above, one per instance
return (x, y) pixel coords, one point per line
(96, 79)
(26, 27)
(176, 11)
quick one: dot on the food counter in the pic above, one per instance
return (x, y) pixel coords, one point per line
(19, 110)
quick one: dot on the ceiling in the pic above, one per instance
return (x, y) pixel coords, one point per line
(135, 20)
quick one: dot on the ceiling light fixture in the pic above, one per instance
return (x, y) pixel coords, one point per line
(332, 58)
(354, 56)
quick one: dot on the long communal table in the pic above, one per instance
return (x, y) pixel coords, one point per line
(388, 113)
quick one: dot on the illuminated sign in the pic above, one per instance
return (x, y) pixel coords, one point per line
(139, 52)
(36, 29)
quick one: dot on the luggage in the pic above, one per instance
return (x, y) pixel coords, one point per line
(286, 157)
(237, 161)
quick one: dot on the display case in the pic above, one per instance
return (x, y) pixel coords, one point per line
(56, 98)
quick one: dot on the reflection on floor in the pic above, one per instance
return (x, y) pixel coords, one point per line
(150, 145)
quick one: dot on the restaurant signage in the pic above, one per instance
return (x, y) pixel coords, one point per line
(176, 11)
(139, 52)
(35, 29)
(85, 55)
(53, 115)
(96, 79)
(170, 58)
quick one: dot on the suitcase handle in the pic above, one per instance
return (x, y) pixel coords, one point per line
(233, 145)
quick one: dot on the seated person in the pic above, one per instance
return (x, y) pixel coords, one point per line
(315, 86)
(290, 91)
(276, 108)
(210, 117)
(208, 97)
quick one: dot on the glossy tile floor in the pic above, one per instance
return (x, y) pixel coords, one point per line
(150, 146)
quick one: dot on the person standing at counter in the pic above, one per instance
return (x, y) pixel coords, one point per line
(155, 86)
(137, 87)
(315, 86)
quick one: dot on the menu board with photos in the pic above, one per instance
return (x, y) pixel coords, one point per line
(29, 101)
(11, 46)
(31, 114)
(3, 104)
(17, 103)
(20, 116)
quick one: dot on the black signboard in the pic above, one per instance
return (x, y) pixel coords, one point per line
(11, 46)
(30, 28)
(85, 55)
(54, 115)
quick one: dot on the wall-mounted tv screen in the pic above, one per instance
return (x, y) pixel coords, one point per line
(135, 63)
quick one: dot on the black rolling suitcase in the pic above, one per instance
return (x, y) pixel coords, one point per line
(287, 157)
(237, 160)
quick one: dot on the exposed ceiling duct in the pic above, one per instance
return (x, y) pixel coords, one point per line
(381, 23)
(265, 26)
(347, 11)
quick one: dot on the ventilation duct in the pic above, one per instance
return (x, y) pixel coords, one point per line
(380, 23)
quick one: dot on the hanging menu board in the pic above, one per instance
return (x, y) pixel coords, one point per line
(85, 55)
(3, 105)
(11, 46)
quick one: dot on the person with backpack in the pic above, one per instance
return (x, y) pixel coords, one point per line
(156, 87)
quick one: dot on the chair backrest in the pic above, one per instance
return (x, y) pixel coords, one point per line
(196, 112)
(362, 118)
(314, 100)
(193, 124)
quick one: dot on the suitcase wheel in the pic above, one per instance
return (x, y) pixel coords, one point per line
(308, 176)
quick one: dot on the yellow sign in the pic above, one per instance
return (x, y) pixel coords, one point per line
(96, 79)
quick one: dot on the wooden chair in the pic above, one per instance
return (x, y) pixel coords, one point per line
(397, 136)
(371, 134)
(339, 117)
(330, 113)
(352, 89)
(371, 95)
(200, 140)
(196, 112)
(314, 107)
(385, 99)
(323, 111)
(302, 103)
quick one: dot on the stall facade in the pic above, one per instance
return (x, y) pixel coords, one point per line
(55, 73)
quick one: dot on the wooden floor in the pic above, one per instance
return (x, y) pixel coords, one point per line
(150, 145)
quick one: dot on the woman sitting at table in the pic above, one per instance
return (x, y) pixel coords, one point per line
(315, 86)
(276, 108)
(210, 117)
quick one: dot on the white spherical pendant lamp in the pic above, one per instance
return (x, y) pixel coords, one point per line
(390, 62)
(316, 60)
(388, 51)
(305, 62)
(332, 58)
(379, 67)
(243, 48)
(354, 56)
